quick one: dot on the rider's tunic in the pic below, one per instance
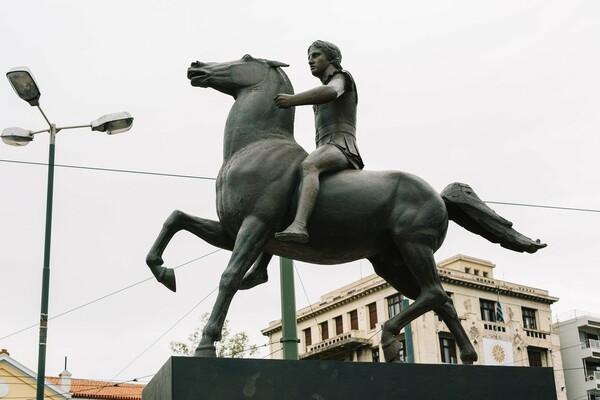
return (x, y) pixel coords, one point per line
(335, 121)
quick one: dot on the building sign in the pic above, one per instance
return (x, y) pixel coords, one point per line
(497, 352)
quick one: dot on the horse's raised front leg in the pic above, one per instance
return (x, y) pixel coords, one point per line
(250, 241)
(209, 231)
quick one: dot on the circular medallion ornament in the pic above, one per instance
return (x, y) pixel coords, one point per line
(498, 353)
(3, 389)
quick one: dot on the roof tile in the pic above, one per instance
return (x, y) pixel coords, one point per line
(93, 389)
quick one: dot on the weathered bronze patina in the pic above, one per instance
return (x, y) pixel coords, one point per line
(392, 218)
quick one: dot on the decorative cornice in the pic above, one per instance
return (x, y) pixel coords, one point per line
(490, 285)
(446, 276)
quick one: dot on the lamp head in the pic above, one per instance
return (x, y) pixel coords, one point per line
(17, 136)
(113, 123)
(23, 83)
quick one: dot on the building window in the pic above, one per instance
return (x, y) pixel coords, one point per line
(375, 354)
(307, 337)
(448, 350)
(394, 305)
(488, 310)
(528, 318)
(372, 315)
(402, 351)
(324, 330)
(353, 320)
(339, 325)
(537, 356)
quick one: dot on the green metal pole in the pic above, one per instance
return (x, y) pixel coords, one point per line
(410, 352)
(41, 372)
(289, 334)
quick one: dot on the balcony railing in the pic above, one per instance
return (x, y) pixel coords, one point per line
(591, 344)
(343, 342)
(494, 326)
(590, 349)
(536, 334)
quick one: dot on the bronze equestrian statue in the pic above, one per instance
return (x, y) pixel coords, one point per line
(392, 218)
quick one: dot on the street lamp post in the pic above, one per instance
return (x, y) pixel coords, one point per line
(27, 89)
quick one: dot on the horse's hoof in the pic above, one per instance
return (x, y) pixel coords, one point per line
(206, 351)
(168, 279)
(468, 358)
(166, 276)
(391, 351)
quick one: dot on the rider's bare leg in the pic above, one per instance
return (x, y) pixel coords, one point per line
(327, 158)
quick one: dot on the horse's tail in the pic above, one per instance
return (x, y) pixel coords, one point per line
(469, 211)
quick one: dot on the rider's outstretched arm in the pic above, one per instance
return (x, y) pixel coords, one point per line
(319, 95)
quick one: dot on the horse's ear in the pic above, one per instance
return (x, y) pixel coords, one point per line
(276, 64)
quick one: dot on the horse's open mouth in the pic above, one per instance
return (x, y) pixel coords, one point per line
(198, 77)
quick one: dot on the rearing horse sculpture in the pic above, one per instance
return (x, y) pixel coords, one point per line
(394, 219)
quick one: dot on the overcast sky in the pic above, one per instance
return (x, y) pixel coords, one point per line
(504, 96)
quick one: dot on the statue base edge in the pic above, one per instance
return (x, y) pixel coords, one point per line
(192, 378)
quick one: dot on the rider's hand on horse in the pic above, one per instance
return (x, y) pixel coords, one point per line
(283, 100)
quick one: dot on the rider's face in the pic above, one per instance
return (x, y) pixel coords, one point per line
(317, 61)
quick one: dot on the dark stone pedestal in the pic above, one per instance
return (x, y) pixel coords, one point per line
(188, 378)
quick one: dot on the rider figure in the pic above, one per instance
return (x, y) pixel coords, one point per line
(334, 104)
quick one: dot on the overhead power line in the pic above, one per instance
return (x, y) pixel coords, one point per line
(541, 206)
(125, 171)
(106, 296)
(162, 335)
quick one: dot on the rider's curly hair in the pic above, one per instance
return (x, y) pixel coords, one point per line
(331, 51)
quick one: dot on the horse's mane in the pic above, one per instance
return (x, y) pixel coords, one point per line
(289, 88)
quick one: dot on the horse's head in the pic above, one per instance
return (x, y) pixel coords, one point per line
(230, 77)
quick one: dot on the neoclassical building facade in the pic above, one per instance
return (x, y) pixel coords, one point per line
(508, 323)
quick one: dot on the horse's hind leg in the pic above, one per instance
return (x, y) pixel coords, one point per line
(249, 243)
(420, 263)
(209, 231)
(394, 271)
(468, 355)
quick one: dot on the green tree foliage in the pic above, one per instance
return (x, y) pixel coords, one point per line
(234, 345)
